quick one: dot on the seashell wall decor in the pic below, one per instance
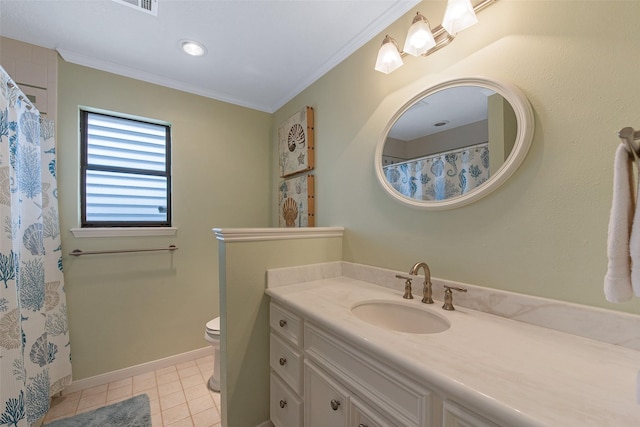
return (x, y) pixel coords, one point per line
(297, 202)
(289, 212)
(296, 143)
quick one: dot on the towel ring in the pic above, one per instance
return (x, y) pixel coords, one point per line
(629, 137)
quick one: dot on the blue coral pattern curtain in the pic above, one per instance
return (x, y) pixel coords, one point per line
(441, 176)
(35, 356)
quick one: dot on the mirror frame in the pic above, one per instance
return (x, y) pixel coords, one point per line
(524, 137)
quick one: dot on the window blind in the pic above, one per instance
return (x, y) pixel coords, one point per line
(126, 178)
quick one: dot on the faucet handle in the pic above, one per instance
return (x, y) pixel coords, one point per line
(448, 296)
(407, 286)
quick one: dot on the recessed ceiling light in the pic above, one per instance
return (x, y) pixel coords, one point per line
(193, 48)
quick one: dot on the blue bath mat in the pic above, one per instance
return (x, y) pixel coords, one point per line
(134, 412)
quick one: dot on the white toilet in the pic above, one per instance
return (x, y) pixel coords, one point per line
(212, 335)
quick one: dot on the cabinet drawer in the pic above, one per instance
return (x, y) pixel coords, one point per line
(285, 407)
(286, 362)
(406, 402)
(287, 324)
(326, 403)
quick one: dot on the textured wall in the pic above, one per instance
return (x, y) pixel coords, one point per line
(134, 308)
(245, 319)
(544, 231)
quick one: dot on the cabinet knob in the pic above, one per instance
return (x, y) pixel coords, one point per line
(283, 361)
(335, 404)
(362, 425)
(283, 403)
(283, 323)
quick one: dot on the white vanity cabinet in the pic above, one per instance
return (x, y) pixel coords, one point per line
(372, 393)
(320, 379)
(286, 360)
(485, 370)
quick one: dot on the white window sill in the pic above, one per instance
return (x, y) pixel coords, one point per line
(124, 231)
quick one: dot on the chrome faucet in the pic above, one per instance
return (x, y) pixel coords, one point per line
(426, 290)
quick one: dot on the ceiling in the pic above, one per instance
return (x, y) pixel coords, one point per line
(261, 53)
(442, 111)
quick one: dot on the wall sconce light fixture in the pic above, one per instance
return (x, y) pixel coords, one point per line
(421, 41)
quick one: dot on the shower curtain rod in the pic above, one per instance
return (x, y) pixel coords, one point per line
(629, 136)
(79, 252)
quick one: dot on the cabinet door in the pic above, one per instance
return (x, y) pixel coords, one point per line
(326, 403)
(364, 416)
(455, 415)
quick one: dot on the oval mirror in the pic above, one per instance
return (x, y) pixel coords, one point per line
(454, 143)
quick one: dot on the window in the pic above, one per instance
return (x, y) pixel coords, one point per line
(125, 172)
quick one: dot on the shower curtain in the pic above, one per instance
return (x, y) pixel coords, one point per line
(35, 356)
(441, 176)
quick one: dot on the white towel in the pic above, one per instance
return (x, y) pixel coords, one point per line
(634, 242)
(617, 281)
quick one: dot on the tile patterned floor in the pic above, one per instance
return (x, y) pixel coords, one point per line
(178, 395)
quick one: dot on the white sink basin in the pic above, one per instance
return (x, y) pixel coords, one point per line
(400, 317)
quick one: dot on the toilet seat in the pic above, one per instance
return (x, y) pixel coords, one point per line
(213, 326)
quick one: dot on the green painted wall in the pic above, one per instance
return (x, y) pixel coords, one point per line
(245, 319)
(542, 233)
(134, 308)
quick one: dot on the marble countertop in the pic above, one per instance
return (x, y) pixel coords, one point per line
(516, 373)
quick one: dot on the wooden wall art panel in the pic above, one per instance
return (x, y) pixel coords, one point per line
(297, 202)
(296, 143)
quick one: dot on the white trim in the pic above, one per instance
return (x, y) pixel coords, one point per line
(265, 424)
(133, 73)
(395, 12)
(131, 371)
(118, 114)
(398, 9)
(258, 234)
(124, 231)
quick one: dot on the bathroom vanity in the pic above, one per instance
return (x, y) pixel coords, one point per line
(329, 367)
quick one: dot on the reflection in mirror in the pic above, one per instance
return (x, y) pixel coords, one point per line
(449, 143)
(454, 142)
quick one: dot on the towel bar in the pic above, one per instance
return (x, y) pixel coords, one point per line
(78, 252)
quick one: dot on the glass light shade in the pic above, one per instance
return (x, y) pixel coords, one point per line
(458, 16)
(419, 37)
(388, 56)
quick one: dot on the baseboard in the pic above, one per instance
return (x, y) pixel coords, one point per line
(265, 424)
(131, 371)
